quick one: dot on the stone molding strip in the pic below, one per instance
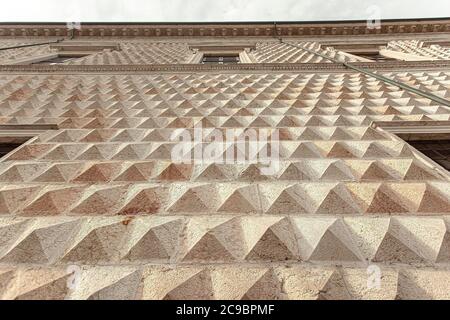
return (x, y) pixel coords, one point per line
(244, 29)
(414, 127)
(244, 67)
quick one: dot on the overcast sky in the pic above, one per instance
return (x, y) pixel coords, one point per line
(216, 10)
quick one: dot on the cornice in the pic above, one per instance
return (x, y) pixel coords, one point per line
(232, 68)
(227, 29)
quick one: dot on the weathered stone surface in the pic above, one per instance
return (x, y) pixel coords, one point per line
(98, 208)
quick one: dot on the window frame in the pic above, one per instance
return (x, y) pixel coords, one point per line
(409, 131)
(44, 57)
(242, 51)
(221, 56)
(60, 56)
(21, 134)
(68, 48)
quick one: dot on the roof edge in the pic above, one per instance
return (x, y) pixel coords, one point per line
(227, 29)
(193, 23)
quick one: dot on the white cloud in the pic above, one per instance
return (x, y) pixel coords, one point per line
(209, 10)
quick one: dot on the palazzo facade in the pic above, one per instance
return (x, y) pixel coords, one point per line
(93, 204)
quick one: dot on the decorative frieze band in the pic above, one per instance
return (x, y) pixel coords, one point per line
(226, 30)
(243, 67)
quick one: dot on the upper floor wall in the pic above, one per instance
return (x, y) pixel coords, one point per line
(250, 29)
(250, 43)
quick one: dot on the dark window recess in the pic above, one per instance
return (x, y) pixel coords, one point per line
(437, 150)
(442, 43)
(221, 59)
(376, 57)
(373, 55)
(6, 148)
(58, 60)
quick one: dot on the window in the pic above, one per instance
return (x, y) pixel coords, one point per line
(220, 59)
(363, 51)
(85, 47)
(442, 43)
(431, 139)
(67, 51)
(11, 141)
(436, 150)
(346, 46)
(222, 54)
(14, 136)
(372, 55)
(7, 147)
(49, 59)
(58, 60)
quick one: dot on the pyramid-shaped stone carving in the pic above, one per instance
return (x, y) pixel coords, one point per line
(98, 208)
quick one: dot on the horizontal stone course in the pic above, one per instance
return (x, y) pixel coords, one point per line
(132, 240)
(278, 282)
